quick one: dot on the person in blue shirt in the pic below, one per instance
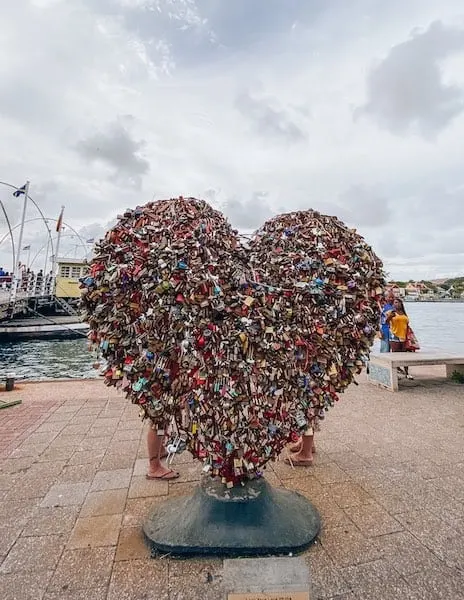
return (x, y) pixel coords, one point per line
(384, 326)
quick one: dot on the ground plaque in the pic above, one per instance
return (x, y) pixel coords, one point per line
(276, 578)
(270, 596)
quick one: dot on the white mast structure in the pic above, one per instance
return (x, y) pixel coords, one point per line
(17, 271)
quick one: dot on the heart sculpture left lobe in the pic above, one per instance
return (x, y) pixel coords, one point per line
(231, 349)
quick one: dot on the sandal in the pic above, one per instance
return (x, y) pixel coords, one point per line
(298, 463)
(166, 476)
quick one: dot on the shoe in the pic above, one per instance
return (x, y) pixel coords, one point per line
(410, 377)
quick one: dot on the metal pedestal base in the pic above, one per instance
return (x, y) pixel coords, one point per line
(252, 520)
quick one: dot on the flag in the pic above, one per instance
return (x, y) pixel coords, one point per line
(91, 241)
(59, 223)
(27, 247)
(19, 191)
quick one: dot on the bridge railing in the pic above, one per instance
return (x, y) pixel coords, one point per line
(31, 285)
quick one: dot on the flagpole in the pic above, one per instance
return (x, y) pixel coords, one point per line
(20, 245)
(59, 227)
(45, 266)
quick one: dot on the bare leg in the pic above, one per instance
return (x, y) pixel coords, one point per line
(296, 447)
(303, 458)
(156, 469)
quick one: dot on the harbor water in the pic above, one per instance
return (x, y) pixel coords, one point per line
(438, 326)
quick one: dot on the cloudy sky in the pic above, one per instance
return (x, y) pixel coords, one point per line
(259, 106)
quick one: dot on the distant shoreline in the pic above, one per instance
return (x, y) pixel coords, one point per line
(450, 300)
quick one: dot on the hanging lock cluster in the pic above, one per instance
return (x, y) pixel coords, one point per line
(231, 349)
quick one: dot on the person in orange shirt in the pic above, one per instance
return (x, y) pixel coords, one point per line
(398, 322)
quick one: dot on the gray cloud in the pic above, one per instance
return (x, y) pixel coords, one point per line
(116, 148)
(365, 206)
(249, 213)
(406, 90)
(269, 119)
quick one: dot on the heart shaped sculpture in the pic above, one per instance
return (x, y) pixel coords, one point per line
(233, 348)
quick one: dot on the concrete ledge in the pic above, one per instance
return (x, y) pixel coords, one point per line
(383, 367)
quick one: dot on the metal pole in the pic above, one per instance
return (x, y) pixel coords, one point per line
(17, 273)
(59, 227)
(45, 272)
(10, 231)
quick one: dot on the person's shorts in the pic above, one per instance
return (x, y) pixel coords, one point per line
(384, 346)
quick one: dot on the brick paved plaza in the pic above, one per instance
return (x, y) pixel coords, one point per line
(388, 481)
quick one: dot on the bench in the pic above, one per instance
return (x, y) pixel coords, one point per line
(383, 367)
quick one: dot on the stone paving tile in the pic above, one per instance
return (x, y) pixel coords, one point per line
(329, 473)
(114, 460)
(18, 511)
(93, 532)
(141, 487)
(140, 467)
(347, 546)
(109, 502)
(41, 438)
(24, 586)
(85, 457)
(431, 531)
(373, 520)
(82, 569)
(182, 489)
(33, 554)
(405, 553)
(326, 579)
(127, 448)
(195, 579)
(27, 449)
(131, 544)
(66, 494)
(347, 494)
(77, 473)
(16, 465)
(139, 580)
(51, 521)
(76, 429)
(438, 584)
(87, 594)
(111, 480)
(51, 426)
(127, 435)
(57, 454)
(377, 579)
(67, 441)
(138, 509)
(332, 516)
(30, 487)
(95, 443)
(8, 536)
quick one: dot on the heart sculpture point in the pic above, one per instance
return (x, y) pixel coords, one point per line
(233, 348)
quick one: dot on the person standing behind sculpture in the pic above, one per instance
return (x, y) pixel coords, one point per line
(398, 322)
(384, 325)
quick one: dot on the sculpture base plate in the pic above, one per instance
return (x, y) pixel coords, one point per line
(252, 520)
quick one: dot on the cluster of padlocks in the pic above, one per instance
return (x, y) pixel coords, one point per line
(231, 349)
